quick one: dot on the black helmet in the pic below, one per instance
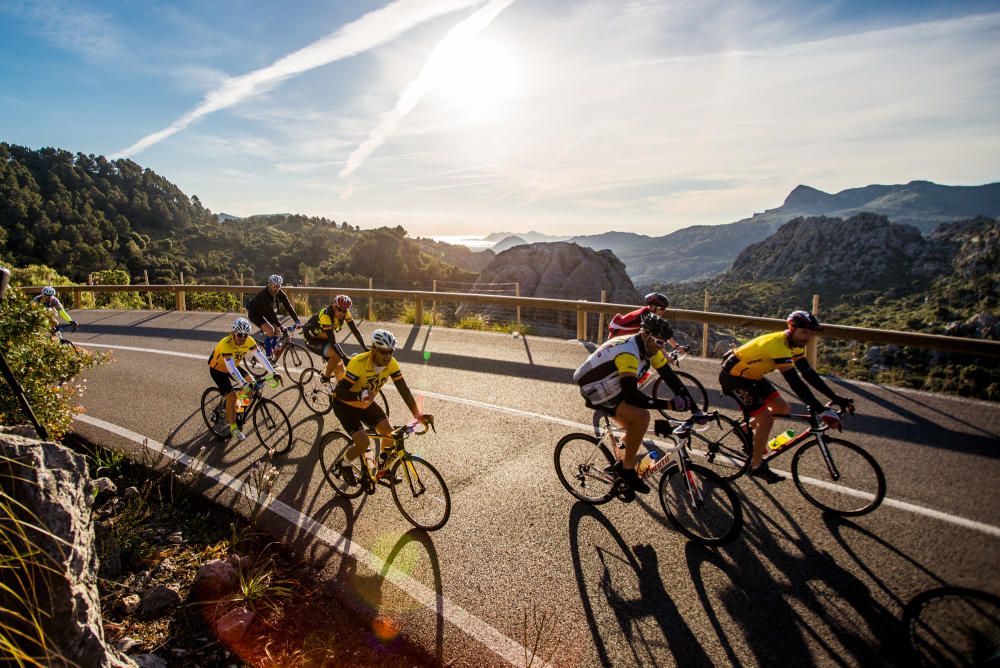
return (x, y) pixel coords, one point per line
(656, 326)
(804, 320)
(657, 299)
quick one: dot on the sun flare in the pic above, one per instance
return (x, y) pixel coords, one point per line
(477, 78)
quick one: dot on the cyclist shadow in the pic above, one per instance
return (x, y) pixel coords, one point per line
(630, 611)
(769, 609)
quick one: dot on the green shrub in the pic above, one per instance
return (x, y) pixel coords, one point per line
(226, 302)
(122, 300)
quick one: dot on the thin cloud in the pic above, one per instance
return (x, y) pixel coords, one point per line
(69, 27)
(448, 48)
(371, 30)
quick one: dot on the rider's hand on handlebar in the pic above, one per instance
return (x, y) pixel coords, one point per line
(682, 350)
(74, 325)
(426, 419)
(275, 380)
(831, 419)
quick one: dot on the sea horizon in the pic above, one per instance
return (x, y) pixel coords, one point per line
(470, 241)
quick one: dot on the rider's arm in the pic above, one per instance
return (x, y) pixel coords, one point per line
(633, 396)
(815, 379)
(357, 334)
(288, 306)
(404, 392)
(57, 306)
(234, 372)
(801, 389)
(262, 358)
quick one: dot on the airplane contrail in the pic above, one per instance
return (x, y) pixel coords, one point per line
(371, 30)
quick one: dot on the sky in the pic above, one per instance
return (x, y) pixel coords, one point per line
(462, 117)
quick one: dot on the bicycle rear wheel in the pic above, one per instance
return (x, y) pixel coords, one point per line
(694, 387)
(316, 396)
(213, 411)
(701, 505)
(584, 467)
(727, 448)
(272, 426)
(851, 484)
(333, 449)
(421, 493)
(296, 357)
(953, 626)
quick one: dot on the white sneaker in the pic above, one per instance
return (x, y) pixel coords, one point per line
(240, 436)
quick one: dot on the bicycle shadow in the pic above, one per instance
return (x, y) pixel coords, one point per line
(632, 603)
(815, 608)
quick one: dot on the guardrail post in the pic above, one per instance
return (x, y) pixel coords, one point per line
(149, 295)
(581, 323)
(418, 311)
(600, 318)
(242, 296)
(434, 304)
(371, 302)
(77, 298)
(812, 348)
(517, 309)
(93, 295)
(704, 330)
(180, 304)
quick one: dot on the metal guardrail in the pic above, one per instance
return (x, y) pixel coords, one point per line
(581, 307)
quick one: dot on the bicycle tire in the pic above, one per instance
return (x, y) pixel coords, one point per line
(861, 478)
(272, 426)
(694, 388)
(333, 447)
(953, 626)
(296, 357)
(727, 447)
(426, 486)
(315, 397)
(213, 412)
(716, 520)
(581, 459)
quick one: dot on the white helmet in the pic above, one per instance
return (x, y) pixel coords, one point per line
(49, 291)
(241, 326)
(275, 279)
(384, 339)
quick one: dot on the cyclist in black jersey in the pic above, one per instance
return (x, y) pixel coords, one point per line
(262, 311)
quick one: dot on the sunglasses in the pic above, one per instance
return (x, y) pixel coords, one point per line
(384, 351)
(659, 343)
(239, 336)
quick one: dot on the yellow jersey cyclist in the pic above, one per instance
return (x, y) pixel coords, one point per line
(354, 398)
(320, 335)
(224, 366)
(742, 378)
(608, 381)
(54, 308)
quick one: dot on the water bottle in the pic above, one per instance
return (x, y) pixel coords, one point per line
(647, 461)
(778, 441)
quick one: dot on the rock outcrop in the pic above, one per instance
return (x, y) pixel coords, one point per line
(53, 494)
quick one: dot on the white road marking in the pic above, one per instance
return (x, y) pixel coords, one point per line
(957, 520)
(510, 650)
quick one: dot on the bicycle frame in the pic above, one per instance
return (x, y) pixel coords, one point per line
(816, 431)
(398, 438)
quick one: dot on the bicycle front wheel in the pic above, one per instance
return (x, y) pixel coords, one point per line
(296, 357)
(272, 426)
(850, 483)
(953, 626)
(585, 468)
(315, 393)
(213, 411)
(333, 452)
(725, 445)
(421, 493)
(700, 504)
(694, 387)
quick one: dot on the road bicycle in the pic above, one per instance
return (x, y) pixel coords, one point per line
(269, 421)
(57, 331)
(953, 626)
(418, 490)
(695, 500)
(832, 474)
(291, 355)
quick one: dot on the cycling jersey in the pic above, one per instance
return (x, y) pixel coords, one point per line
(760, 356)
(363, 380)
(55, 306)
(227, 350)
(264, 306)
(323, 325)
(627, 324)
(599, 375)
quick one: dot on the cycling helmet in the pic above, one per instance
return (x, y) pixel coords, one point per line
(657, 299)
(275, 279)
(49, 291)
(656, 326)
(241, 326)
(343, 301)
(383, 338)
(803, 320)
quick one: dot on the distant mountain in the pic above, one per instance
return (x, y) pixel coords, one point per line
(527, 237)
(509, 242)
(703, 251)
(223, 217)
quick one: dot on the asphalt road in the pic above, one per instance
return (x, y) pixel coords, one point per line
(522, 563)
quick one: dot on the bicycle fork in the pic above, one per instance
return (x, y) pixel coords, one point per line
(830, 466)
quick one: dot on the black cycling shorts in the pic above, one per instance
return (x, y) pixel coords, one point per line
(223, 380)
(751, 395)
(354, 419)
(609, 406)
(321, 346)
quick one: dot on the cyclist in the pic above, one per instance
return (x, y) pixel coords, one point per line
(320, 336)
(629, 323)
(742, 378)
(53, 307)
(354, 400)
(262, 311)
(224, 366)
(608, 380)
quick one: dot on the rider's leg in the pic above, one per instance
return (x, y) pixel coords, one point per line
(231, 409)
(635, 421)
(339, 370)
(331, 360)
(763, 422)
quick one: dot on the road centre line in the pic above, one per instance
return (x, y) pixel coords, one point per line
(957, 520)
(506, 648)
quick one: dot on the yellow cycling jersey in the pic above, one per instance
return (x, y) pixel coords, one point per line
(324, 324)
(227, 348)
(366, 379)
(762, 355)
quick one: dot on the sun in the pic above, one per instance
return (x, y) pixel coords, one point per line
(477, 78)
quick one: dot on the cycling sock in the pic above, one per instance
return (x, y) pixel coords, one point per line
(269, 342)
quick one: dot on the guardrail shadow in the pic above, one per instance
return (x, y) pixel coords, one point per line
(629, 609)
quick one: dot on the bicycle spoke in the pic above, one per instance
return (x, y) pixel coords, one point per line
(583, 465)
(724, 447)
